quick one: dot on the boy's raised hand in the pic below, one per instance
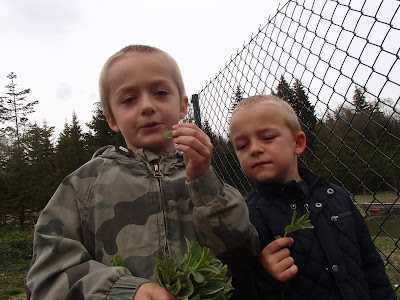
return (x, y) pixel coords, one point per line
(152, 291)
(276, 259)
(196, 147)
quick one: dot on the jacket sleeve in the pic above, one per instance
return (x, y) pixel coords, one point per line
(221, 219)
(378, 282)
(62, 268)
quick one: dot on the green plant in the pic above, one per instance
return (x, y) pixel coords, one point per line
(197, 275)
(301, 223)
(168, 134)
(117, 261)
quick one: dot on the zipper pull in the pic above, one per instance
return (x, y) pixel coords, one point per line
(156, 171)
(306, 206)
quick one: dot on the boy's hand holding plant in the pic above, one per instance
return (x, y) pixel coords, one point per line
(275, 258)
(197, 275)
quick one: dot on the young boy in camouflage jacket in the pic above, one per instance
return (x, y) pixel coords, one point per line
(138, 201)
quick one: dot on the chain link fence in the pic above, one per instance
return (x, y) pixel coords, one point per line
(337, 63)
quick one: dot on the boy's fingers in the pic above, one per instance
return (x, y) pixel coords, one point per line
(278, 244)
(287, 273)
(192, 140)
(192, 131)
(271, 261)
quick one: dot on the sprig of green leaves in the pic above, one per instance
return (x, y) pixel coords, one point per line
(301, 223)
(197, 275)
(117, 261)
(168, 134)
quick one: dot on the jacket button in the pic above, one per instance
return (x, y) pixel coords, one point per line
(330, 191)
(318, 205)
(335, 268)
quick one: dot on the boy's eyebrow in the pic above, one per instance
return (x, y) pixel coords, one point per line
(263, 130)
(128, 88)
(238, 137)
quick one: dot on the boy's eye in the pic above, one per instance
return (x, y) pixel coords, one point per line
(240, 147)
(129, 100)
(161, 93)
(268, 138)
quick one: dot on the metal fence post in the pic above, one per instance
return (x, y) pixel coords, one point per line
(196, 110)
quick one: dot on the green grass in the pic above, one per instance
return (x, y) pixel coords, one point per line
(388, 249)
(15, 257)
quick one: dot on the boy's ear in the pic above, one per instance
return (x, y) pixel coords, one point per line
(112, 124)
(301, 143)
(183, 108)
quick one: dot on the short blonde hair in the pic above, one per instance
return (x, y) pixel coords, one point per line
(290, 116)
(133, 49)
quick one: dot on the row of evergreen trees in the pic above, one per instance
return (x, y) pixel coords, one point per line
(356, 145)
(32, 164)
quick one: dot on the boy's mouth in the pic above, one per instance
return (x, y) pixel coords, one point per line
(150, 126)
(260, 163)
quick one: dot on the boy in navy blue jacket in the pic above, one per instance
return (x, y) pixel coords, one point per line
(335, 260)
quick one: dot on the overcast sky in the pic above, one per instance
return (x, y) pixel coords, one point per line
(57, 48)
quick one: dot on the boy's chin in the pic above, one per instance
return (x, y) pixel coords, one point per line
(160, 146)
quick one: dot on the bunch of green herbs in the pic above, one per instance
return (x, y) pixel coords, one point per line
(197, 275)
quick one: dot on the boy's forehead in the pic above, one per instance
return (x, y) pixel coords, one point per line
(251, 110)
(256, 115)
(136, 62)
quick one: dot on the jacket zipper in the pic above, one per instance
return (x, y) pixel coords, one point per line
(157, 173)
(345, 214)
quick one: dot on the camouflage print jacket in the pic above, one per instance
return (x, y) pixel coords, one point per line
(138, 205)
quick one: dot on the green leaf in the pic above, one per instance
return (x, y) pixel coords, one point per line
(301, 223)
(197, 276)
(168, 134)
(291, 228)
(117, 261)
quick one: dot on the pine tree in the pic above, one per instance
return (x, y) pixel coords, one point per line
(284, 91)
(71, 150)
(40, 169)
(14, 116)
(100, 133)
(359, 99)
(15, 109)
(236, 98)
(304, 109)
(207, 129)
(298, 99)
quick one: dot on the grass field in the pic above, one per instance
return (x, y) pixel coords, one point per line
(15, 257)
(385, 245)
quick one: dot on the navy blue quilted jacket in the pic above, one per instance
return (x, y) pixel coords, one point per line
(336, 260)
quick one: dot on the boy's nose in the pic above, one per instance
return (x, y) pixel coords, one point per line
(256, 149)
(147, 105)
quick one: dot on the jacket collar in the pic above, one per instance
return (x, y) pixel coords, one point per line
(288, 189)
